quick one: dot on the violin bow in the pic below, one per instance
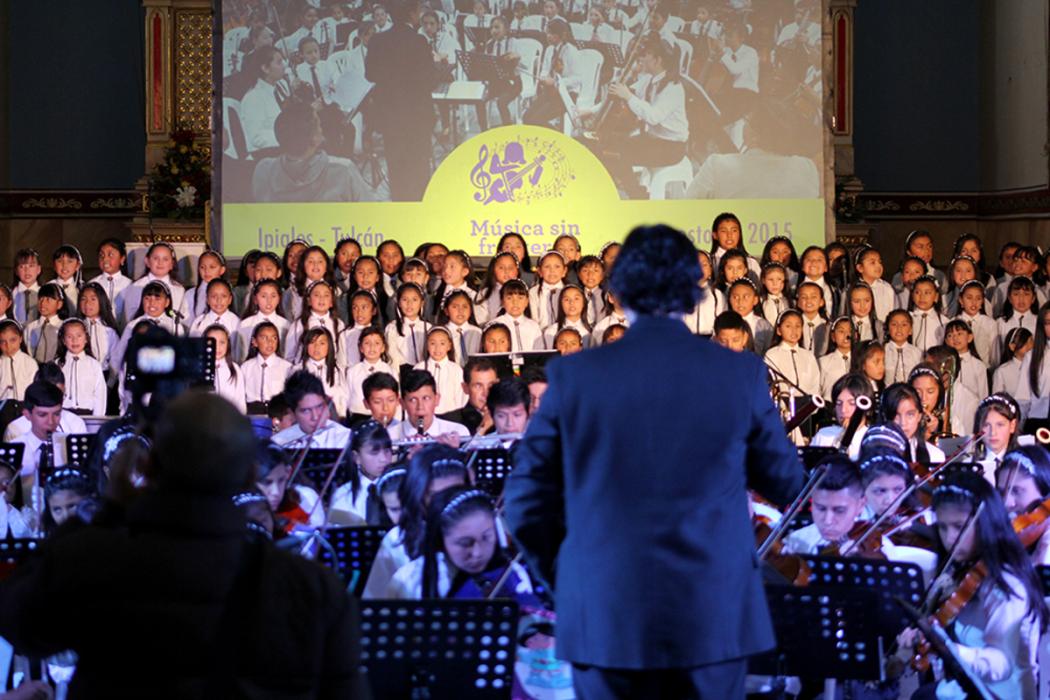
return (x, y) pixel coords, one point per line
(895, 504)
(504, 576)
(815, 480)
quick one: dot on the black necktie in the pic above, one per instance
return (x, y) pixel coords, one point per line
(794, 366)
(812, 326)
(73, 381)
(462, 347)
(899, 374)
(317, 83)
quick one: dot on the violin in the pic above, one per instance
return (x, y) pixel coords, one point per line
(1033, 523)
(957, 599)
(792, 567)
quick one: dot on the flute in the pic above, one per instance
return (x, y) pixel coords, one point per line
(492, 437)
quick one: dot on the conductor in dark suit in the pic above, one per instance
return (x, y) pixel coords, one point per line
(629, 494)
(400, 64)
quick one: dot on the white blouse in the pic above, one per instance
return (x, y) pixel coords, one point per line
(85, 385)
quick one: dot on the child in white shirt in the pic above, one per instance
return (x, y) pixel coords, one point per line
(85, 383)
(264, 371)
(371, 347)
(466, 336)
(160, 261)
(42, 334)
(93, 307)
(265, 298)
(525, 333)
(17, 368)
(447, 374)
(320, 300)
(229, 380)
(111, 257)
(210, 266)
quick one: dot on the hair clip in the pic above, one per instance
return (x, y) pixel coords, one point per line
(880, 433)
(157, 283)
(310, 287)
(411, 285)
(417, 261)
(922, 371)
(217, 254)
(516, 283)
(1019, 460)
(745, 280)
(956, 490)
(246, 497)
(552, 251)
(462, 498)
(165, 244)
(1001, 400)
(66, 473)
(604, 248)
(971, 283)
(884, 459)
(448, 462)
(392, 474)
(785, 312)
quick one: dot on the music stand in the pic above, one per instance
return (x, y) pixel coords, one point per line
(354, 549)
(78, 447)
(822, 632)
(502, 360)
(14, 551)
(478, 37)
(12, 452)
(812, 456)
(318, 463)
(491, 467)
(439, 649)
(611, 52)
(889, 580)
(482, 67)
(537, 358)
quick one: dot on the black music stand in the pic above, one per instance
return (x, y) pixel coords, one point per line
(12, 453)
(78, 447)
(318, 463)
(503, 361)
(478, 37)
(889, 580)
(611, 53)
(484, 68)
(812, 456)
(439, 649)
(14, 551)
(354, 551)
(822, 632)
(343, 32)
(491, 467)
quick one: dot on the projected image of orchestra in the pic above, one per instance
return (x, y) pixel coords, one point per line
(343, 102)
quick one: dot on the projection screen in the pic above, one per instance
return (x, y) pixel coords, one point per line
(474, 119)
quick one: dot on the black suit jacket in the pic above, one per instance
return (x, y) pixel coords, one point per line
(629, 494)
(401, 65)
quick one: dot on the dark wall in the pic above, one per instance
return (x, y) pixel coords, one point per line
(916, 100)
(75, 93)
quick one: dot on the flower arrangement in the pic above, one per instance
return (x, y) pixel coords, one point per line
(181, 182)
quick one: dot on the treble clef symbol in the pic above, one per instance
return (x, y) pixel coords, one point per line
(479, 177)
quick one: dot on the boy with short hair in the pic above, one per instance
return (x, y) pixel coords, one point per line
(419, 399)
(313, 426)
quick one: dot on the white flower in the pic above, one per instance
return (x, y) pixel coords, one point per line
(186, 196)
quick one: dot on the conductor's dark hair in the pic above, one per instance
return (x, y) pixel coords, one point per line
(507, 393)
(42, 394)
(416, 379)
(299, 384)
(401, 10)
(377, 381)
(51, 373)
(657, 272)
(293, 128)
(842, 474)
